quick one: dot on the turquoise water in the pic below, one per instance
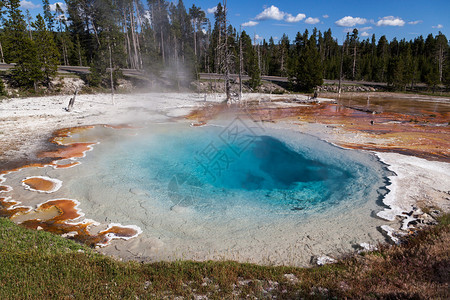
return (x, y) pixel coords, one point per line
(230, 190)
(227, 169)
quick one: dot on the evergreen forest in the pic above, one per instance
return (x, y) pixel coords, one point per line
(159, 38)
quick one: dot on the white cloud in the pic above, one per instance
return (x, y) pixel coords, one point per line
(312, 20)
(28, 4)
(438, 26)
(274, 13)
(271, 13)
(415, 22)
(365, 34)
(365, 28)
(390, 21)
(291, 19)
(325, 16)
(211, 10)
(349, 21)
(258, 37)
(63, 6)
(250, 24)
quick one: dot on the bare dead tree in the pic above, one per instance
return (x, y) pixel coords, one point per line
(161, 35)
(72, 101)
(134, 38)
(340, 69)
(441, 58)
(111, 73)
(227, 55)
(127, 39)
(354, 61)
(194, 26)
(240, 62)
(140, 24)
(1, 51)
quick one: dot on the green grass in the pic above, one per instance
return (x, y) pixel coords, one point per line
(40, 265)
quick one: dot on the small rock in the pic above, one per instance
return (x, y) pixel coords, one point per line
(428, 220)
(368, 247)
(323, 260)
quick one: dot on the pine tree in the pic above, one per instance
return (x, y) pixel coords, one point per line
(21, 49)
(48, 54)
(354, 41)
(197, 17)
(274, 59)
(308, 72)
(432, 77)
(446, 72)
(395, 72)
(254, 72)
(64, 42)
(48, 17)
(284, 54)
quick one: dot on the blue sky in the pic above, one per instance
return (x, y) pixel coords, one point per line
(395, 18)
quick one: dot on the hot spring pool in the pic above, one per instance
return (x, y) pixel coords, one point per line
(231, 190)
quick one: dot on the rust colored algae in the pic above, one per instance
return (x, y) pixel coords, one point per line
(8, 207)
(39, 184)
(123, 232)
(57, 215)
(67, 208)
(75, 150)
(65, 151)
(423, 134)
(4, 188)
(68, 211)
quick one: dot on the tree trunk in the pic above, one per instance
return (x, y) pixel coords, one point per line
(79, 54)
(354, 62)
(133, 37)
(1, 52)
(176, 61)
(340, 69)
(140, 25)
(441, 61)
(111, 73)
(72, 101)
(195, 38)
(226, 54)
(127, 41)
(64, 51)
(161, 36)
(96, 34)
(240, 63)
(162, 47)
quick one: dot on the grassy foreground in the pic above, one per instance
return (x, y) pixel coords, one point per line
(40, 265)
